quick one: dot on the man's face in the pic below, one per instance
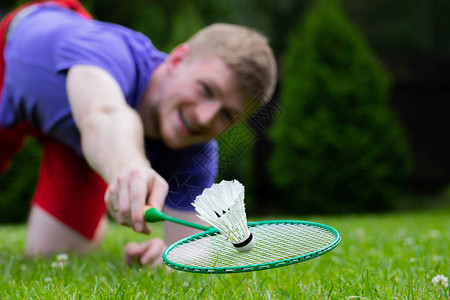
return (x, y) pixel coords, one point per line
(200, 100)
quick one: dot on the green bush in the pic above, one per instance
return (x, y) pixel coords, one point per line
(18, 182)
(338, 146)
(236, 147)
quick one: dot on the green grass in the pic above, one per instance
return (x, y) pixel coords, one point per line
(391, 256)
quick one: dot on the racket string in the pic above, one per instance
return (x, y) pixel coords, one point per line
(274, 242)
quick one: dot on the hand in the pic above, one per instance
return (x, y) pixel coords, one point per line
(127, 195)
(146, 253)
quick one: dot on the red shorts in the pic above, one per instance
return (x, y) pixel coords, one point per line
(68, 189)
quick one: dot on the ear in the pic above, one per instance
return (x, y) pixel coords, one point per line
(178, 54)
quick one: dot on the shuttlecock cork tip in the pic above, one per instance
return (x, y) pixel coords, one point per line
(246, 245)
(222, 206)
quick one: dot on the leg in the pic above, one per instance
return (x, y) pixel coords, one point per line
(68, 211)
(47, 235)
(174, 232)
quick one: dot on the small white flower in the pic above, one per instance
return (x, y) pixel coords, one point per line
(409, 241)
(440, 280)
(54, 264)
(47, 279)
(434, 234)
(436, 258)
(360, 232)
(62, 260)
(401, 232)
(62, 257)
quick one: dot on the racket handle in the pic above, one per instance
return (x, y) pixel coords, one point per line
(154, 215)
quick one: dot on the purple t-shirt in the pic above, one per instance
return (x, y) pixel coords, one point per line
(46, 43)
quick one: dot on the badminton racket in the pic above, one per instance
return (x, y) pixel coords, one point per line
(277, 244)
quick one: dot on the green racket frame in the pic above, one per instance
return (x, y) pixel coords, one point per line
(154, 215)
(257, 267)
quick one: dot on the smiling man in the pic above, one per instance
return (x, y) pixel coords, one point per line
(123, 125)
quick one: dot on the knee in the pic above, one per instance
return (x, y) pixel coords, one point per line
(47, 236)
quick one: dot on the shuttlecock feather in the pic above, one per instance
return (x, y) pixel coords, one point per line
(222, 206)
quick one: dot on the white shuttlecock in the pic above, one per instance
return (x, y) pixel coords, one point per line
(222, 206)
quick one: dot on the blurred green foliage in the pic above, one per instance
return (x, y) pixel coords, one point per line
(337, 147)
(166, 23)
(403, 27)
(236, 158)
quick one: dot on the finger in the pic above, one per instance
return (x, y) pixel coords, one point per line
(153, 255)
(123, 215)
(111, 198)
(147, 229)
(132, 252)
(158, 192)
(109, 194)
(138, 192)
(157, 261)
(136, 250)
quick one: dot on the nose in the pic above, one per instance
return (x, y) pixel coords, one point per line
(207, 112)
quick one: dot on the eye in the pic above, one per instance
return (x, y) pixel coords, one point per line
(227, 115)
(207, 91)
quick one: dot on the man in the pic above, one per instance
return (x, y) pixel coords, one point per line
(110, 108)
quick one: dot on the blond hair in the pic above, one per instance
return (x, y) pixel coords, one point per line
(245, 51)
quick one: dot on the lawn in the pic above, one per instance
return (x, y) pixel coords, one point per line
(388, 256)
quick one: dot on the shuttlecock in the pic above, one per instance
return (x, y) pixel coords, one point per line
(222, 206)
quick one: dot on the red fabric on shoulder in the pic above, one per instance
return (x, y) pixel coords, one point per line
(74, 5)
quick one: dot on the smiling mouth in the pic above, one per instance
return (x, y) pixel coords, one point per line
(186, 123)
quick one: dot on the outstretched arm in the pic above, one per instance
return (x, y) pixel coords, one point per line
(112, 140)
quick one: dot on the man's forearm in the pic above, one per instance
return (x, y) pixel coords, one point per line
(112, 139)
(113, 142)
(111, 131)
